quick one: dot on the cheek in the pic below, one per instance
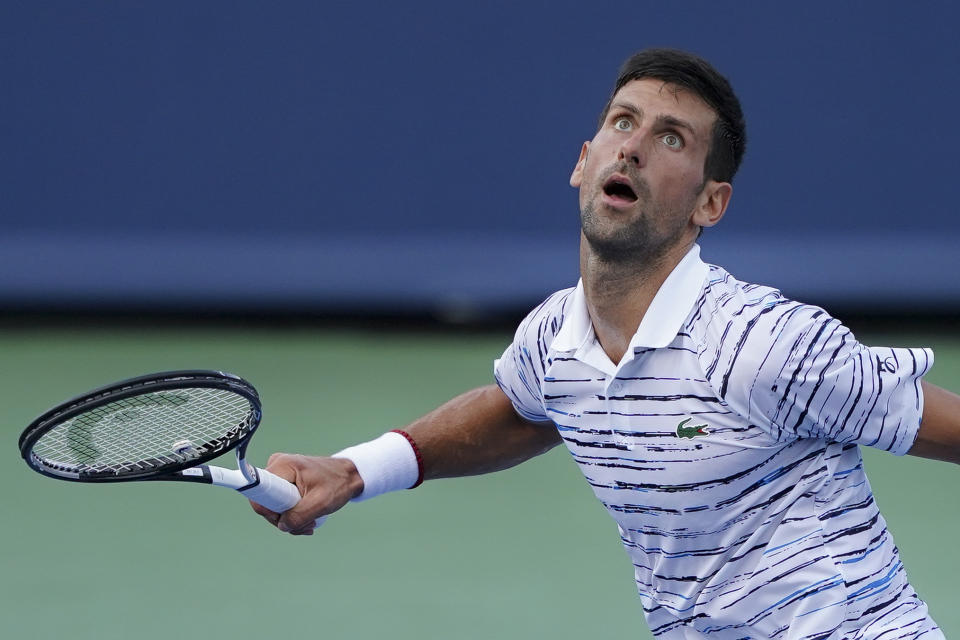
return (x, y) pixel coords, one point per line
(681, 174)
(603, 145)
(590, 171)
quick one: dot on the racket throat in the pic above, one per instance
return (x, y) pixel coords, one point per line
(249, 471)
(240, 479)
(230, 478)
(245, 477)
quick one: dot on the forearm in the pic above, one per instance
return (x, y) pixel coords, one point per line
(478, 432)
(939, 436)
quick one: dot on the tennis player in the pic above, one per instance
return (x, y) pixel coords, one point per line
(717, 421)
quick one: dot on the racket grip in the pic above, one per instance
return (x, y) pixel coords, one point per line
(275, 494)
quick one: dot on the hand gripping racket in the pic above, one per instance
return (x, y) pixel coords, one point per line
(162, 426)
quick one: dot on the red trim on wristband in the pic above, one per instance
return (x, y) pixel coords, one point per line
(416, 452)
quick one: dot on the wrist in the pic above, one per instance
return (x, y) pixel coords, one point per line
(354, 482)
(389, 463)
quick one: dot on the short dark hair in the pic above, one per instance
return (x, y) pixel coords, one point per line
(697, 75)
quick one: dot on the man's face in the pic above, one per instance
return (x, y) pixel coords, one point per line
(641, 177)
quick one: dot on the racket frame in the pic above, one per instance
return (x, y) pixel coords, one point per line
(256, 484)
(141, 385)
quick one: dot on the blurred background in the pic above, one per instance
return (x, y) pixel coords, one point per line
(325, 197)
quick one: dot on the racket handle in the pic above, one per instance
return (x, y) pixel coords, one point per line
(275, 494)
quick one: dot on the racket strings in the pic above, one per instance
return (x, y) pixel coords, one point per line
(147, 431)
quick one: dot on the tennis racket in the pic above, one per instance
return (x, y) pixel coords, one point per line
(162, 426)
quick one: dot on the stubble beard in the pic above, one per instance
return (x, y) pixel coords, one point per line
(638, 241)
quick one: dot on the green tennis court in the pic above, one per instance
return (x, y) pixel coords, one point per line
(523, 553)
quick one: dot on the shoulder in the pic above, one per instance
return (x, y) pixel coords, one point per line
(725, 298)
(521, 369)
(729, 308)
(794, 370)
(542, 324)
(744, 329)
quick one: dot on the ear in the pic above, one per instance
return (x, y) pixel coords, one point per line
(712, 203)
(576, 178)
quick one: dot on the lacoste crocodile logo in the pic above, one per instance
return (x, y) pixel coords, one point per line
(691, 432)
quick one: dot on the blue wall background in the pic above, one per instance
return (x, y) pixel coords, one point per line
(415, 157)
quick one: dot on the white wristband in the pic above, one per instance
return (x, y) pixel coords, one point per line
(385, 464)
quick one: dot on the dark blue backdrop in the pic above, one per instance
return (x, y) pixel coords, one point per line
(415, 156)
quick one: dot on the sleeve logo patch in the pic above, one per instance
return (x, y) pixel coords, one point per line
(691, 432)
(886, 365)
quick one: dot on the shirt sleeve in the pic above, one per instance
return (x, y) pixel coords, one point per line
(520, 370)
(799, 373)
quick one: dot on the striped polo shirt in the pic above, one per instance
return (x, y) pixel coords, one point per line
(725, 445)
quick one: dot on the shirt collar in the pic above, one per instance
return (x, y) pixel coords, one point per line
(664, 317)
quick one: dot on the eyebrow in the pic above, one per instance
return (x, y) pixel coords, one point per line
(677, 122)
(662, 119)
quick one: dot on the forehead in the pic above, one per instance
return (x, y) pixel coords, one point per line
(655, 98)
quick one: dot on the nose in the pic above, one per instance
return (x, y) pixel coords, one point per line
(634, 149)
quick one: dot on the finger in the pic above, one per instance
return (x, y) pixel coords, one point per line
(303, 532)
(283, 465)
(313, 504)
(297, 519)
(271, 516)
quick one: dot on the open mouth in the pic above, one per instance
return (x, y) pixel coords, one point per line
(619, 189)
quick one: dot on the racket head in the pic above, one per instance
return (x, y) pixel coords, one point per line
(143, 428)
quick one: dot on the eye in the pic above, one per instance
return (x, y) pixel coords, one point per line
(673, 141)
(622, 124)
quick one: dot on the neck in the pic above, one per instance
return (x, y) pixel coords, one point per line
(619, 294)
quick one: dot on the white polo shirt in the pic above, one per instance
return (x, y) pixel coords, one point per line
(725, 446)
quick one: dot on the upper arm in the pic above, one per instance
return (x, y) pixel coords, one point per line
(939, 434)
